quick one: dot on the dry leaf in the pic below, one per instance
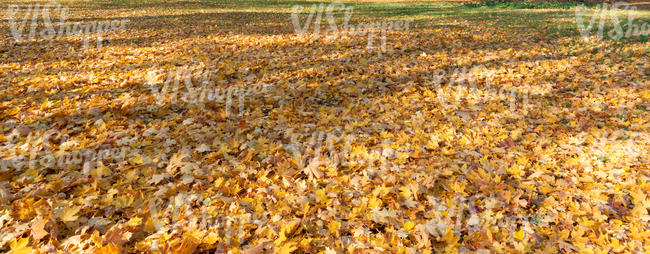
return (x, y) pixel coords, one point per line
(38, 228)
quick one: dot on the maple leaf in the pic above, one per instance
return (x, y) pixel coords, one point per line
(188, 245)
(287, 248)
(567, 248)
(175, 162)
(260, 248)
(519, 235)
(69, 213)
(157, 178)
(38, 228)
(19, 246)
(110, 248)
(118, 235)
(312, 170)
(203, 148)
(5, 193)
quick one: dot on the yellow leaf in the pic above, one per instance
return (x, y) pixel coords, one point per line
(529, 137)
(70, 213)
(519, 235)
(280, 239)
(287, 248)
(320, 194)
(409, 226)
(12, 111)
(515, 170)
(96, 239)
(218, 182)
(211, 238)
(137, 160)
(287, 229)
(374, 202)
(109, 249)
(134, 222)
(306, 242)
(334, 226)
(20, 246)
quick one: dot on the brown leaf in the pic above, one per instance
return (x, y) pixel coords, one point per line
(260, 248)
(38, 228)
(23, 130)
(188, 245)
(175, 162)
(567, 248)
(5, 191)
(620, 205)
(507, 143)
(118, 235)
(109, 249)
(312, 168)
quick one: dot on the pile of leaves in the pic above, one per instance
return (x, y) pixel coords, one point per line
(562, 165)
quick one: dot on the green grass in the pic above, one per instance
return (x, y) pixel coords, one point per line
(556, 20)
(522, 5)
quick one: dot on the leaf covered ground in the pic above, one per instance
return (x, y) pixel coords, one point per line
(350, 149)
